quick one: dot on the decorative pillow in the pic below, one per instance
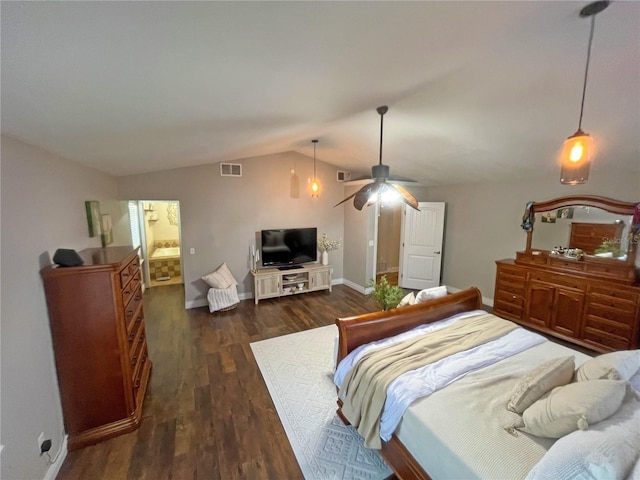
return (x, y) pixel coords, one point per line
(551, 374)
(409, 299)
(431, 293)
(571, 407)
(615, 366)
(608, 449)
(220, 278)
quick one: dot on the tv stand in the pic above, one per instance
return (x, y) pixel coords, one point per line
(290, 267)
(276, 282)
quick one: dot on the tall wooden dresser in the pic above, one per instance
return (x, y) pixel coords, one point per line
(99, 340)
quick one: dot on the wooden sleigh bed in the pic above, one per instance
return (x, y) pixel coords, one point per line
(359, 330)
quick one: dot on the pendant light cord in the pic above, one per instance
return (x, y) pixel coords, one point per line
(381, 120)
(586, 70)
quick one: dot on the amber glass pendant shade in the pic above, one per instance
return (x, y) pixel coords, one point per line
(315, 185)
(576, 158)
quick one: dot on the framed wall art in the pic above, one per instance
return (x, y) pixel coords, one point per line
(107, 230)
(93, 217)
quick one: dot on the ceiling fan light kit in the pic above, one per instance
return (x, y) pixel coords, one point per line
(380, 190)
(577, 150)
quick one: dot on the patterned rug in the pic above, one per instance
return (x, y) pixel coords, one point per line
(298, 371)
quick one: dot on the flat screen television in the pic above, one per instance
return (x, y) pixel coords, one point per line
(289, 246)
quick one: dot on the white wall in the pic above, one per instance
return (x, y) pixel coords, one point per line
(42, 210)
(483, 220)
(221, 215)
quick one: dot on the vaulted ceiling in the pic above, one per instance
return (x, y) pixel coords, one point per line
(476, 90)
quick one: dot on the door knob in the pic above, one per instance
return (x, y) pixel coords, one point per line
(437, 253)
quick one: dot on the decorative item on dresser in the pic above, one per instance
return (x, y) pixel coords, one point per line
(584, 299)
(97, 326)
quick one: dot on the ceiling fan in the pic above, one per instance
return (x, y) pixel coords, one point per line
(380, 188)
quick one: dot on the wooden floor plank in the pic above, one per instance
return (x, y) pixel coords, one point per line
(207, 413)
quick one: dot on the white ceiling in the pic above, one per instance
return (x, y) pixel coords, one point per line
(476, 90)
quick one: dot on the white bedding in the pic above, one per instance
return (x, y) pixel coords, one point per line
(474, 443)
(426, 380)
(457, 435)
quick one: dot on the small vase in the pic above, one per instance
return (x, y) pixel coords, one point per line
(324, 258)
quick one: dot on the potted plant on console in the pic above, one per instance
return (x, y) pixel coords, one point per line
(324, 245)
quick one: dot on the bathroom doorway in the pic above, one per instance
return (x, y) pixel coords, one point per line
(159, 225)
(388, 245)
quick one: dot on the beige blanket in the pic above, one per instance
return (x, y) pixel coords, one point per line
(364, 388)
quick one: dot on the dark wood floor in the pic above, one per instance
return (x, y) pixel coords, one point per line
(207, 413)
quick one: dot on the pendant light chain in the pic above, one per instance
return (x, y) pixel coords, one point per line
(586, 70)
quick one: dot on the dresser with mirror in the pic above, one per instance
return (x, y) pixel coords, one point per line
(578, 277)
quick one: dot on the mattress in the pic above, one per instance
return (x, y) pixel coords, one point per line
(458, 432)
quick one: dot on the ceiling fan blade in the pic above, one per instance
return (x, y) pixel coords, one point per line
(406, 196)
(363, 195)
(353, 195)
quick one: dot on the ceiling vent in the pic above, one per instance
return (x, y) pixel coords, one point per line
(231, 169)
(343, 176)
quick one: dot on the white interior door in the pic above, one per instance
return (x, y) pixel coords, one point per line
(421, 246)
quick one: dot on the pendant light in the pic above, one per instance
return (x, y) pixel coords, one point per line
(578, 148)
(315, 185)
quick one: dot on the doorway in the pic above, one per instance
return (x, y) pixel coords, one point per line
(409, 245)
(388, 244)
(159, 231)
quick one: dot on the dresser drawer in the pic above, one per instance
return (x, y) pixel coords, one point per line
(614, 292)
(508, 310)
(556, 279)
(141, 358)
(136, 336)
(132, 288)
(511, 298)
(137, 346)
(131, 311)
(511, 271)
(613, 313)
(621, 270)
(609, 334)
(129, 272)
(567, 264)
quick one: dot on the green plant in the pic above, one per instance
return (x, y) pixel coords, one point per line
(386, 295)
(612, 246)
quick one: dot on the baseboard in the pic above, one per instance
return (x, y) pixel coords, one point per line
(485, 300)
(358, 288)
(54, 468)
(197, 303)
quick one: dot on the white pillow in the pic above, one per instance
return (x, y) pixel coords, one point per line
(608, 449)
(431, 293)
(408, 299)
(220, 278)
(551, 374)
(571, 407)
(620, 365)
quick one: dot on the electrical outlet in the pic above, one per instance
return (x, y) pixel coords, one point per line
(44, 444)
(40, 440)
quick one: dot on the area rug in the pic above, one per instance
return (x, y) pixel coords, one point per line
(298, 371)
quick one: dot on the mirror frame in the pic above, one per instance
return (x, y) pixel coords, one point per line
(604, 203)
